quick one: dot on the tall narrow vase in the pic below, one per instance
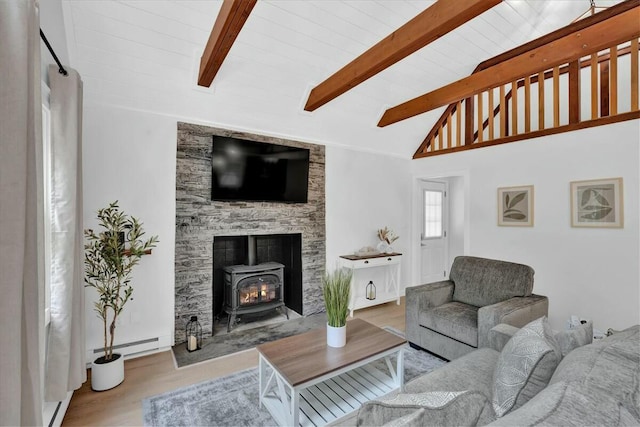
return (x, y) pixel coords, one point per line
(336, 337)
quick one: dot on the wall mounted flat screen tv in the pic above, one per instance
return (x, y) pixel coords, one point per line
(257, 171)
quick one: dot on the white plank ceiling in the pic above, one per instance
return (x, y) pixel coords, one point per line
(144, 55)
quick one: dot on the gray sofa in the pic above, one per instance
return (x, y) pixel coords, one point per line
(453, 317)
(593, 385)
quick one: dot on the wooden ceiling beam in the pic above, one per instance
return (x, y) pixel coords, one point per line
(434, 22)
(559, 33)
(596, 35)
(231, 18)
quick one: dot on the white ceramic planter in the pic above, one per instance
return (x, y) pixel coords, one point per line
(336, 337)
(105, 376)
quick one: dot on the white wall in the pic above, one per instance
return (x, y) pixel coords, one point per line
(131, 156)
(456, 216)
(366, 192)
(592, 273)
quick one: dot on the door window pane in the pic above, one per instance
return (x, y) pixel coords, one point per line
(432, 227)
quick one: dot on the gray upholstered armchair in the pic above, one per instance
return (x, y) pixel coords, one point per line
(453, 317)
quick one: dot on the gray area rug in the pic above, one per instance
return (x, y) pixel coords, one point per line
(235, 341)
(233, 400)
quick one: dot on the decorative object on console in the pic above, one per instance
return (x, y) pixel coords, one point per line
(515, 206)
(387, 237)
(193, 334)
(597, 203)
(108, 265)
(336, 288)
(370, 290)
(366, 251)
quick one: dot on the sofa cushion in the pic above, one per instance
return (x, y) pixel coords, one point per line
(473, 371)
(631, 402)
(627, 418)
(563, 404)
(481, 281)
(609, 366)
(571, 339)
(525, 366)
(461, 408)
(455, 320)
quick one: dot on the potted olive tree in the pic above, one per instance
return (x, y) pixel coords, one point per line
(336, 288)
(110, 256)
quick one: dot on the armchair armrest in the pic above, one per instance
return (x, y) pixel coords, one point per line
(420, 298)
(516, 311)
(500, 334)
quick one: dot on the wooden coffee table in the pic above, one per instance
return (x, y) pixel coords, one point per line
(305, 382)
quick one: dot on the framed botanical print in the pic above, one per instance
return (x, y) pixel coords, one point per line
(515, 206)
(597, 203)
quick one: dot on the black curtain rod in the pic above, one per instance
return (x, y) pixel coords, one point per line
(61, 69)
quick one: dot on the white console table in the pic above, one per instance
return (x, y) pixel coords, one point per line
(387, 291)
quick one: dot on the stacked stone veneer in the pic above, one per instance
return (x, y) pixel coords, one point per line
(199, 220)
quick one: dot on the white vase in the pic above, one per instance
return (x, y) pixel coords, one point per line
(383, 247)
(336, 336)
(105, 376)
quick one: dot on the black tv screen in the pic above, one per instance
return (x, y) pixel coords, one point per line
(258, 171)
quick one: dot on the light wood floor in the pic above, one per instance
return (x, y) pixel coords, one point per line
(150, 375)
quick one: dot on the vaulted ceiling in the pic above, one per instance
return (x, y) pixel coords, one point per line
(145, 55)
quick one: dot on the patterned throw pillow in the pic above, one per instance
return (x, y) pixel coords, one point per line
(574, 338)
(524, 366)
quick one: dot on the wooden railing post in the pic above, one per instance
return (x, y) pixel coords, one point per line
(634, 74)
(574, 92)
(604, 89)
(468, 121)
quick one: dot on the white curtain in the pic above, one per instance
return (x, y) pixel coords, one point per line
(65, 360)
(22, 302)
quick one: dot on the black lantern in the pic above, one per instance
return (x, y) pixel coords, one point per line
(193, 334)
(370, 290)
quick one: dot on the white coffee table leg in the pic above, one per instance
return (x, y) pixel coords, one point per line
(397, 373)
(261, 378)
(295, 407)
(400, 370)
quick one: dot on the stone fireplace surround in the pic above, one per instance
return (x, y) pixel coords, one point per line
(199, 220)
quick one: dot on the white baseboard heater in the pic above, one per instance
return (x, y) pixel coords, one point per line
(133, 349)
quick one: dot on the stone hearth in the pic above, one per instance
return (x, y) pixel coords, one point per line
(199, 220)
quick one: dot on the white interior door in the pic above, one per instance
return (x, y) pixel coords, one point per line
(434, 243)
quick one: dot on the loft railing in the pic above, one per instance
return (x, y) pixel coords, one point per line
(598, 89)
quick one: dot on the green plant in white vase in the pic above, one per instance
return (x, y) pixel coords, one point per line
(110, 257)
(336, 288)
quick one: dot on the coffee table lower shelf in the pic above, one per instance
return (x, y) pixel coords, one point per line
(331, 397)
